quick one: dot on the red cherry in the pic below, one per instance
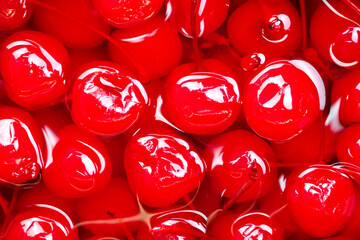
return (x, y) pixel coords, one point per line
(154, 46)
(106, 98)
(321, 200)
(180, 224)
(283, 98)
(113, 204)
(14, 14)
(69, 31)
(334, 31)
(21, 146)
(202, 101)
(33, 68)
(162, 167)
(128, 13)
(239, 165)
(199, 17)
(78, 165)
(348, 145)
(41, 222)
(253, 225)
(269, 27)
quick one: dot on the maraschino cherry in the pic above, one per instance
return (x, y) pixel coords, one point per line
(162, 166)
(348, 145)
(33, 68)
(106, 98)
(14, 14)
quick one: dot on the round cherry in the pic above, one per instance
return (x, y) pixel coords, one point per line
(33, 68)
(321, 200)
(112, 204)
(239, 165)
(282, 98)
(106, 98)
(41, 222)
(348, 145)
(124, 14)
(21, 146)
(69, 31)
(162, 167)
(151, 50)
(14, 14)
(78, 165)
(269, 27)
(202, 100)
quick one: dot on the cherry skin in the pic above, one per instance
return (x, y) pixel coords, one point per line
(123, 14)
(269, 27)
(14, 14)
(69, 31)
(154, 47)
(78, 165)
(198, 18)
(115, 202)
(33, 68)
(21, 146)
(202, 100)
(282, 98)
(348, 145)
(106, 98)
(334, 31)
(178, 224)
(41, 222)
(162, 166)
(321, 200)
(253, 225)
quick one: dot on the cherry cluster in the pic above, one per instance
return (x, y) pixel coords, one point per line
(179, 119)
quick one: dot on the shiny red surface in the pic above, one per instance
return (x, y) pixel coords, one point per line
(348, 145)
(14, 14)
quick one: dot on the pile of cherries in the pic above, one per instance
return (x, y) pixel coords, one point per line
(179, 119)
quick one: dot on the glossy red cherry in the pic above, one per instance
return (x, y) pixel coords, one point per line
(199, 17)
(282, 98)
(269, 27)
(14, 14)
(178, 224)
(253, 225)
(68, 30)
(162, 167)
(106, 98)
(113, 205)
(21, 146)
(41, 222)
(124, 14)
(239, 165)
(321, 200)
(154, 47)
(334, 31)
(348, 145)
(202, 100)
(33, 68)
(78, 165)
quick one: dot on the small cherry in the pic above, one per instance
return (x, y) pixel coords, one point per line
(33, 68)
(21, 146)
(348, 145)
(269, 27)
(72, 33)
(162, 166)
(154, 46)
(78, 165)
(239, 165)
(14, 14)
(282, 98)
(130, 13)
(321, 200)
(106, 98)
(41, 222)
(105, 213)
(202, 100)
(200, 17)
